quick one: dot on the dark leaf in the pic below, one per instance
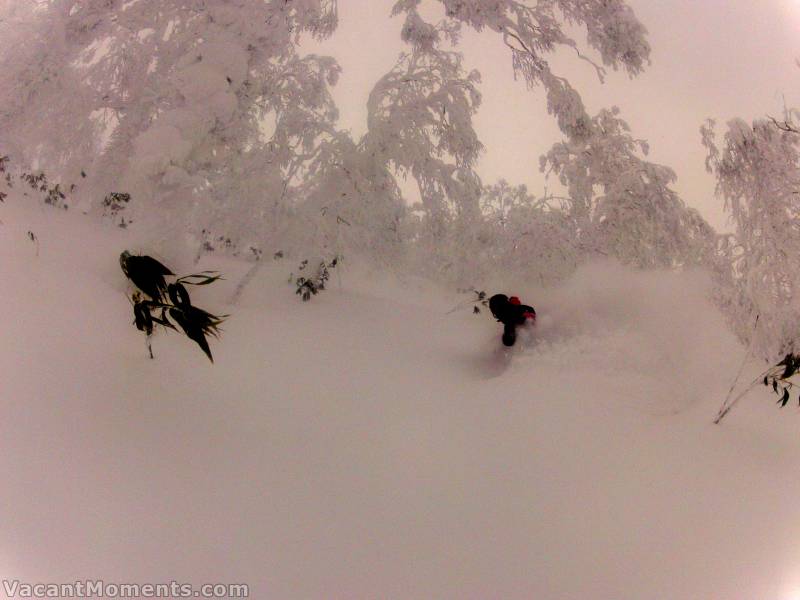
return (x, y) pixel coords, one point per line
(163, 320)
(202, 278)
(146, 273)
(196, 324)
(143, 318)
(791, 367)
(178, 294)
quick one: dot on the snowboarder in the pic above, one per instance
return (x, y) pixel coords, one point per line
(511, 313)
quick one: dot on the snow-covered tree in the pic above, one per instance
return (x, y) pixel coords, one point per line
(204, 108)
(419, 118)
(39, 95)
(205, 111)
(621, 203)
(420, 126)
(551, 237)
(533, 30)
(758, 176)
(351, 204)
(533, 239)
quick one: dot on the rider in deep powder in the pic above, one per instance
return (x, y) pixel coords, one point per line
(511, 313)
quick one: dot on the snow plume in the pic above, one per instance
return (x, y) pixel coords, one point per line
(608, 315)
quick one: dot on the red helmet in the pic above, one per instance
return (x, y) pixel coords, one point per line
(514, 300)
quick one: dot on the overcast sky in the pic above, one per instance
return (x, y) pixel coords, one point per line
(710, 58)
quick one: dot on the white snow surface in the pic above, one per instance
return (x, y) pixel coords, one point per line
(368, 445)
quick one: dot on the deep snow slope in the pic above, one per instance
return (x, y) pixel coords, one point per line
(367, 445)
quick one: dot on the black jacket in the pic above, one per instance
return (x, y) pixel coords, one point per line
(508, 313)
